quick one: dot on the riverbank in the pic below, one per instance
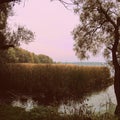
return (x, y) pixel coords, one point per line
(8, 112)
(98, 102)
(48, 83)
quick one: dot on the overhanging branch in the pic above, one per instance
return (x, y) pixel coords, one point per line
(65, 4)
(4, 1)
(103, 11)
(94, 30)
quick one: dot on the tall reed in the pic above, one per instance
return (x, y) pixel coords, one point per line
(52, 82)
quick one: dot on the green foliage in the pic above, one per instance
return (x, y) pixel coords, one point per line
(98, 28)
(19, 55)
(8, 36)
(44, 59)
(51, 82)
(5, 11)
(21, 34)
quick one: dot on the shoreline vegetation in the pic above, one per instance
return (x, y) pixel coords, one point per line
(8, 112)
(49, 83)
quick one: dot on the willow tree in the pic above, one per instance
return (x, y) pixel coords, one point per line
(99, 27)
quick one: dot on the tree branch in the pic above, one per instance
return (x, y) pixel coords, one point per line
(94, 30)
(103, 11)
(5, 47)
(4, 1)
(65, 4)
(109, 48)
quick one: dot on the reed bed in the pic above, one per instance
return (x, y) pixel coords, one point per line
(52, 82)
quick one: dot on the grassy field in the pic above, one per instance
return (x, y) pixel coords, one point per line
(47, 113)
(51, 82)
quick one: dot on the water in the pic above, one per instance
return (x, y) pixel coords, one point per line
(28, 105)
(98, 102)
(87, 63)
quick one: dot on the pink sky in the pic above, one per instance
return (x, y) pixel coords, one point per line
(52, 24)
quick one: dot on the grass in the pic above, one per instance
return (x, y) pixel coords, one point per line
(52, 82)
(8, 112)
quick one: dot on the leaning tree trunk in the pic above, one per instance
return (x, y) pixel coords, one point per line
(117, 70)
(117, 88)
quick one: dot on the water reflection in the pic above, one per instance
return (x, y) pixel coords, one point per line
(101, 102)
(28, 105)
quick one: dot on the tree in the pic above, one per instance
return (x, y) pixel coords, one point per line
(11, 38)
(8, 37)
(19, 55)
(99, 28)
(5, 10)
(44, 59)
(21, 34)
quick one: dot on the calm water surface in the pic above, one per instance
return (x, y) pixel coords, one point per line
(101, 102)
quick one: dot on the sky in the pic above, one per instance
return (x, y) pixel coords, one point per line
(52, 24)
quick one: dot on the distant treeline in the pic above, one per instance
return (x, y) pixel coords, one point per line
(19, 55)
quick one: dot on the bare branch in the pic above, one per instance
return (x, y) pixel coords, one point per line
(65, 4)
